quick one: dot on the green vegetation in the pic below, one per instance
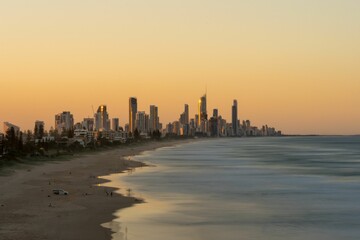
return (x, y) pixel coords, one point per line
(28, 148)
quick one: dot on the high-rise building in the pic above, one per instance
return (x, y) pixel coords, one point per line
(127, 128)
(7, 126)
(154, 118)
(102, 121)
(176, 128)
(202, 109)
(214, 127)
(235, 124)
(169, 129)
(39, 129)
(64, 121)
(88, 124)
(147, 122)
(215, 113)
(141, 122)
(132, 113)
(186, 113)
(115, 125)
(222, 127)
(197, 121)
(192, 123)
(184, 117)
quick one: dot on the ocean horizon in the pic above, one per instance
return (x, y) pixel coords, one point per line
(244, 188)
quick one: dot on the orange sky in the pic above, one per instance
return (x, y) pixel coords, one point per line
(294, 65)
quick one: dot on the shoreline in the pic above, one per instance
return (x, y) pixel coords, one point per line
(27, 201)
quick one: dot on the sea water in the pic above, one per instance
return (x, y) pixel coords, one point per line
(245, 188)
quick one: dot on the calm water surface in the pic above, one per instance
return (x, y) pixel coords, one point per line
(247, 188)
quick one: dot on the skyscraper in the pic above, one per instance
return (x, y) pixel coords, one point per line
(132, 113)
(215, 113)
(88, 124)
(202, 109)
(154, 118)
(141, 121)
(64, 121)
(102, 118)
(8, 126)
(147, 122)
(235, 118)
(186, 114)
(184, 117)
(39, 129)
(214, 127)
(115, 124)
(197, 120)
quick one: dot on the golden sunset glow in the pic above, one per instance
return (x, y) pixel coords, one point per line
(294, 65)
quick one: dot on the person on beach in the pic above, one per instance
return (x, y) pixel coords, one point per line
(111, 194)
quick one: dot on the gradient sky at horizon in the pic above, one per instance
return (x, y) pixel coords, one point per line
(294, 65)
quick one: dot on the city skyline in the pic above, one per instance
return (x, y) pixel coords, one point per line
(124, 117)
(290, 64)
(147, 123)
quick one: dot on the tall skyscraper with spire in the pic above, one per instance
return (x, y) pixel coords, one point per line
(132, 113)
(186, 114)
(202, 109)
(235, 125)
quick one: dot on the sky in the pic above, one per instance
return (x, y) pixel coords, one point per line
(294, 65)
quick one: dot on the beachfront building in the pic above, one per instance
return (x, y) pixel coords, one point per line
(192, 127)
(115, 124)
(215, 113)
(39, 129)
(64, 121)
(202, 117)
(176, 128)
(184, 117)
(154, 118)
(102, 122)
(196, 121)
(7, 127)
(213, 127)
(202, 110)
(141, 122)
(184, 121)
(88, 124)
(222, 127)
(147, 123)
(234, 112)
(132, 114)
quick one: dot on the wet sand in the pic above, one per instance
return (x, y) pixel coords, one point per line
(29, 209)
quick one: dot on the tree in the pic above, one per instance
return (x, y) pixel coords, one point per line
(136, 134)
(11, 139)
(64, 133)
(29, 146)
(20, 143)
(28, 136)
(41, 131)
(36, 130)
(70, 133)
(156, 134)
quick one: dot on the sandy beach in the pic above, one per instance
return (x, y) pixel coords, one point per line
(29, 209)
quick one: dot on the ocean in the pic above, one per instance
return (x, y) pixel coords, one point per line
(245, 188)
